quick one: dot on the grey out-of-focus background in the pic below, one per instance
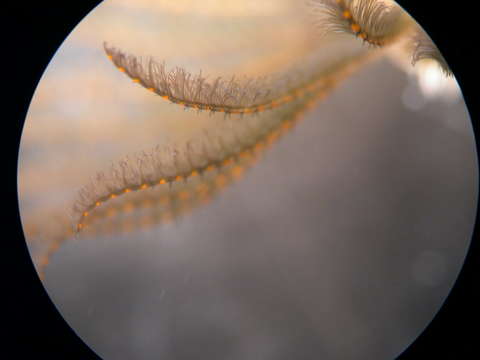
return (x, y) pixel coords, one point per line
(341, 243)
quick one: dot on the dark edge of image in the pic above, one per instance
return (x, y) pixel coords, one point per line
(34, 329)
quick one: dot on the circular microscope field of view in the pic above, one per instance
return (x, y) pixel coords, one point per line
(245, 179)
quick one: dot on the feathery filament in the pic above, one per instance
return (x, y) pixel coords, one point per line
(374, 21)
(424, 48)
(233, 96)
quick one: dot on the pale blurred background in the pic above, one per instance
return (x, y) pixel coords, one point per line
(341, 243)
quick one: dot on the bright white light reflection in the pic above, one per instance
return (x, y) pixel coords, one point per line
(433, 82)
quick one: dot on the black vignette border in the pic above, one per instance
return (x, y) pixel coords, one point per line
(450, 335)
(35, 329)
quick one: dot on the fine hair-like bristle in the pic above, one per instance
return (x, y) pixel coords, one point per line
(374, 21)
(182, 171)
(231, 96)
(175, 163)
(424, 48)
(140, 210)
(178, 162)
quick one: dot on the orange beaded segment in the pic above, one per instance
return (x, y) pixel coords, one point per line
(183, 195)
(227, 161)
(220, 179)
(237, 171)
(355, 28)
(374, 21)
(241, 98)
(347, 14)
(247, 152)
(203, 192)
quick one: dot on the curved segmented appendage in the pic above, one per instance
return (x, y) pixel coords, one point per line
(424, 48)
(192, 191)
(163, 204)
(194, 188)
(169, 165)
(234, 96)
(38, 232)
(145, 209)
(126, 177)
(374, 21)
